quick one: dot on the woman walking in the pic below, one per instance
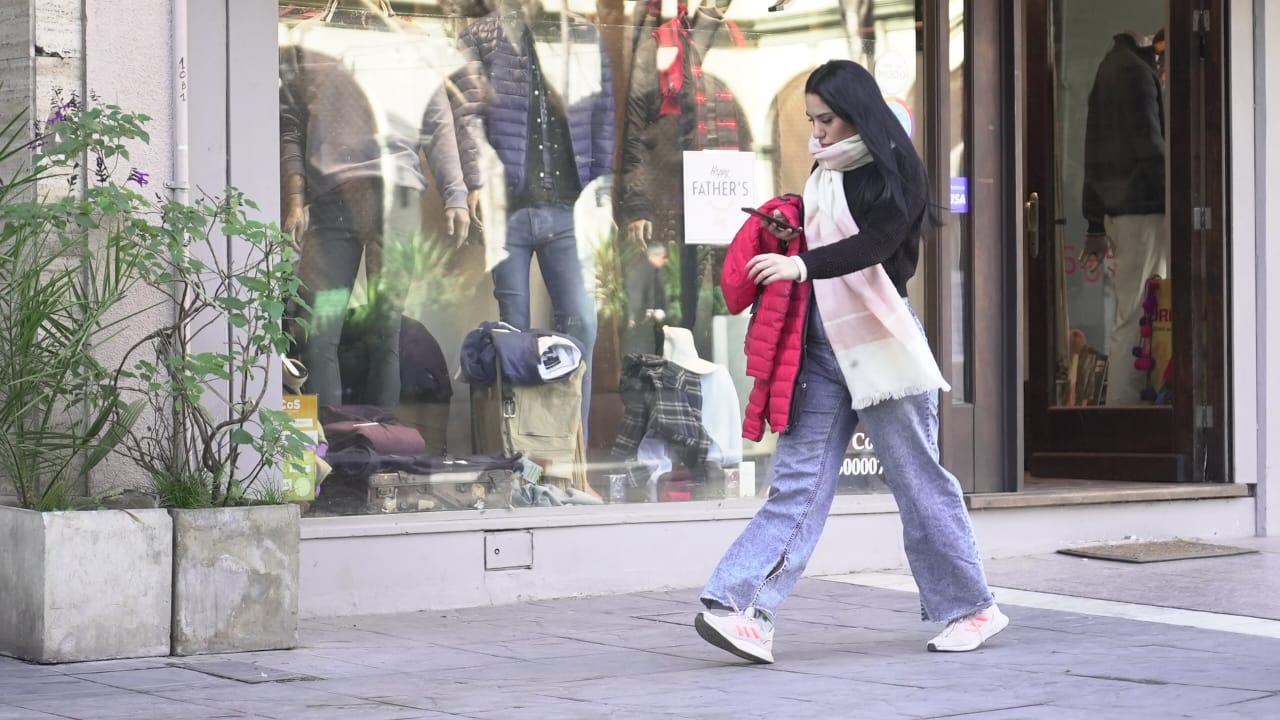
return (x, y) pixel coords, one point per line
(865, 357)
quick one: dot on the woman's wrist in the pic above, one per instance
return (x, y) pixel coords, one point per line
(801, 267)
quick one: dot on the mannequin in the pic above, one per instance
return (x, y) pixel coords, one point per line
(353, 138)
(719, 414)
(540, 92)
(664, 119)
(1124, 195)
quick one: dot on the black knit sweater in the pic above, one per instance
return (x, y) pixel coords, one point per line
(886, 235)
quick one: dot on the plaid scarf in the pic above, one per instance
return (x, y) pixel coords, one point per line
(708, 106)
(663, 401)
(880, 349)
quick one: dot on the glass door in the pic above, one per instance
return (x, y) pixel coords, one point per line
(1117, 203)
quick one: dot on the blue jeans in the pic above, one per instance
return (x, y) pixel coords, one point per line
(352, 222)
(548, 232)
(767, 560)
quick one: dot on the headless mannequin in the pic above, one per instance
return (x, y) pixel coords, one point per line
(547, 113)
(361, 173)
(675, 106)
(457, 219)
(1124, 197)
(640, 231)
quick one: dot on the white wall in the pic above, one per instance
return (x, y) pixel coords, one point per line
(1266, 256)
(231, 90)
(127, 63)
(410, 563)
(1242, 227)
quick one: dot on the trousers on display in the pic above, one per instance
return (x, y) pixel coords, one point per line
(547, 231)
(354, 222)
(1141, 245)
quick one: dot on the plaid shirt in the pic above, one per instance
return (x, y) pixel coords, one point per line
(664, 401)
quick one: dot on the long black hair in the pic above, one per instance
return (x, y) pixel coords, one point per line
(854, 96)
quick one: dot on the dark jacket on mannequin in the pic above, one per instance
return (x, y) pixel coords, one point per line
(496, 85)
(328, 133)
(1124, 146)
(654, 140)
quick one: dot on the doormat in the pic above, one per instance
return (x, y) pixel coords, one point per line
(1155, 551)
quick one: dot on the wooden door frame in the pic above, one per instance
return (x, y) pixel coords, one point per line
(978, 435)
(996, 390)
(1201, 421)
(955, 419)
(1185, 441)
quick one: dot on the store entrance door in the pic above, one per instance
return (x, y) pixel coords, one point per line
(1124, 245)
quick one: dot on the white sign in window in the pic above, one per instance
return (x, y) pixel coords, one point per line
(717, 185)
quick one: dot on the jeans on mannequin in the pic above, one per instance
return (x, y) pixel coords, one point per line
(346, 225)
(547, 231)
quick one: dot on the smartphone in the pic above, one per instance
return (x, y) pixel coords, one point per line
(783, 224)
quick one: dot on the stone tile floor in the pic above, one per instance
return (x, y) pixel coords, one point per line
(843, 651)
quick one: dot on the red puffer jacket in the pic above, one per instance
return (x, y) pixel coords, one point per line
(775, 338)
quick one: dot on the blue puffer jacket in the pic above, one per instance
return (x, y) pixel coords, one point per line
(495, 86)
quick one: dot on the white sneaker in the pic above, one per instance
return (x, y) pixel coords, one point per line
(745, 634)
(969, 632)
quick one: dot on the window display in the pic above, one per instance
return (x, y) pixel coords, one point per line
(505, 304)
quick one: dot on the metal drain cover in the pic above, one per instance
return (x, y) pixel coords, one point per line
(1155, 551)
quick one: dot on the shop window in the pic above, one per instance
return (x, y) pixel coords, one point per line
(512, 222)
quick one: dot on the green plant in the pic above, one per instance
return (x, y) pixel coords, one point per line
(76, 241)
(66, 262)
(204, 371)
(611, 281)
(425, 267)
(187, 491)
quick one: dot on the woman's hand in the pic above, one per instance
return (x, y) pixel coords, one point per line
(770, 268)
(781, 229)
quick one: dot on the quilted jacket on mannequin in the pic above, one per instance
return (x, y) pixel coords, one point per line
(495, 88)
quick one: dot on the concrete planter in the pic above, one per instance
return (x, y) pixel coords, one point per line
(235, 579)
(92, 585)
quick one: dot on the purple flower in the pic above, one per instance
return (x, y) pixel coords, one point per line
(56, 117)
(137, 176)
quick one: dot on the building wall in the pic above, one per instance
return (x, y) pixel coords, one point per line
(127, 63)
(17, 68)
(1254, 237)
(1265, 258)
(1243, 227)
(129, 60)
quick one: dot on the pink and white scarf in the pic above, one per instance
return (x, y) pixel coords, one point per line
(880, 349)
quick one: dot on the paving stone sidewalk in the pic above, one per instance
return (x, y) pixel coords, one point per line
(843, 652)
